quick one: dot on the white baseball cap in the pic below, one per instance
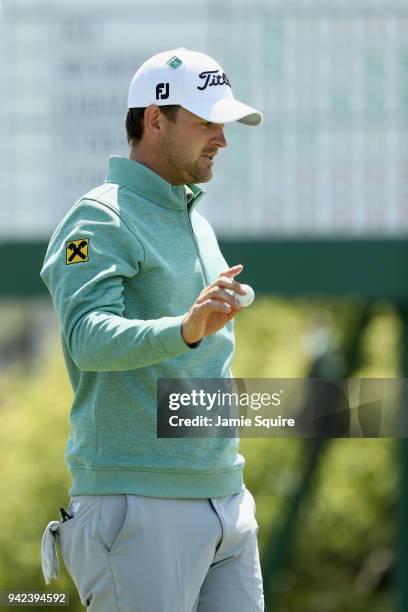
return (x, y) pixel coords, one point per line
(192, 80)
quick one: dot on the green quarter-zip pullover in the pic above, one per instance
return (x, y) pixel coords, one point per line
(123, 267)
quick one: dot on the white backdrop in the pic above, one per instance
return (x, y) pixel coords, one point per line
(330, 159)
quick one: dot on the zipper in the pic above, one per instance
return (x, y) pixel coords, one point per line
(197, 248)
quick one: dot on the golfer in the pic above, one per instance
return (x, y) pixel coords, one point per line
(140, 288)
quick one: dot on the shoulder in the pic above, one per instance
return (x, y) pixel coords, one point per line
(106, 194)
(97, 205)
(94, 217)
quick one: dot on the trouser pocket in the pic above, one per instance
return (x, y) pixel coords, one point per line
(86, 542)
(113, 513)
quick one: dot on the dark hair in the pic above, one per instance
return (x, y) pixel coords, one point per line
(135, 120)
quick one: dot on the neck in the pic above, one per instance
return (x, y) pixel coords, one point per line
(151, 160)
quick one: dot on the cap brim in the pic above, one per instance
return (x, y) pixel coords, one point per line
(225, 111)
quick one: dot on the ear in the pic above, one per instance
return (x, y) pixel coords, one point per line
(153, 122)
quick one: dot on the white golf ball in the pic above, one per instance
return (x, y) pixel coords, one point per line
(248, 298)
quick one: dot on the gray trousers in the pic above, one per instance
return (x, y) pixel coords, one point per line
(129, 553)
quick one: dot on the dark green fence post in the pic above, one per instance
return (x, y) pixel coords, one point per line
(401, 536)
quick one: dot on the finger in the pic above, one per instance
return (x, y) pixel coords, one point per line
(231, 272)
(217, 306)
(229, 283)
(216, 293)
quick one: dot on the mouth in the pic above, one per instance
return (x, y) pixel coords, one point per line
(210, 157)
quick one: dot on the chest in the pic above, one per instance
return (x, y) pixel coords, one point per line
(182, 257)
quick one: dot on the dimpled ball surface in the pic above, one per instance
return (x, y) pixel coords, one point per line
(248, 298)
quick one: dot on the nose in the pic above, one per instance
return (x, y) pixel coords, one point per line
(219, 138)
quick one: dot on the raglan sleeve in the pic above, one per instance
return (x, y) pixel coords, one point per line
(89, 258)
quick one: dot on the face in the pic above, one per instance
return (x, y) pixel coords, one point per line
(188, 147)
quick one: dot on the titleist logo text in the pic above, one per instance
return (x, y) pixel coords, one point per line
(211, 78)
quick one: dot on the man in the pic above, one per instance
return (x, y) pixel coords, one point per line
(140, 288)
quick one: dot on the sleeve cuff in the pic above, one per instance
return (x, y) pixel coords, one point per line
(168, 333)
(194, 344)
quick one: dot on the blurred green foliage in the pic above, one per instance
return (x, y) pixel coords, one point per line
(342, 545)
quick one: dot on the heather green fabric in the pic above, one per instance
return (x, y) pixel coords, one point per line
(120, 304)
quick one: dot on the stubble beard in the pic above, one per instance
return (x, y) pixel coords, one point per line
(182, 167)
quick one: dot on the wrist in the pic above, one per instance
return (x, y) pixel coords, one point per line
(188, 338)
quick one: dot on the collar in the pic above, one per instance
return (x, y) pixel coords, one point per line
(148, 184)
